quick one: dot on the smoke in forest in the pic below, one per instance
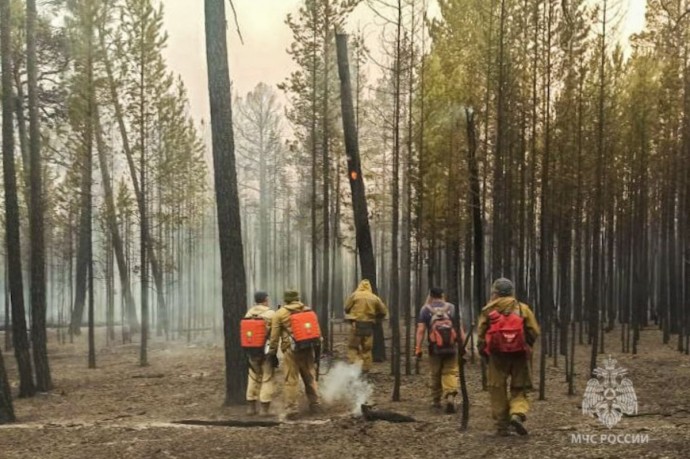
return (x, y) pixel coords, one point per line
(344, 383)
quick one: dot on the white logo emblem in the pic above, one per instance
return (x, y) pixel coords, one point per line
(609, 395)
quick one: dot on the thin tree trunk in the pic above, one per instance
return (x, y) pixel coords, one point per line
(44, 382)
(324, 307)
(595, 290)
(111, 218)
(138, 193)
(87, 209)
(545, 240)
(477, 225)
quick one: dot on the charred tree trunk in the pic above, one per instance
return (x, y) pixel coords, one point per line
(227, 198)
(324, 307)
(87, 190)
(6, 407)
(6, 291)
(44, 382)
(595, 290)
(12, 239)
(477, 225)
(354, 171)
(545, 239)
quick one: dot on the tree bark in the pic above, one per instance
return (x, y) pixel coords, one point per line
(44, 382)
(6, 291)
(14, 256)
(324, 307)
(6, 407)
(227, 198)
(395, 264)
(354, 171)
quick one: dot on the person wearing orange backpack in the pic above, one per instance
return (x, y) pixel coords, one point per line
(436, 321)
(295, 328)
(261, 368)
(507, 329)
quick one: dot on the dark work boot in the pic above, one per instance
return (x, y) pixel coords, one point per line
(265, 408)
(251, 407)
(516, 421)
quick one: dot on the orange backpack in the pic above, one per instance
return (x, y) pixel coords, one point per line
(253, 335)
(305, 329)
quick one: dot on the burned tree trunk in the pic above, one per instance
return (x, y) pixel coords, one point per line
(354, 171)
(38, 263)
(12, 239)
(227, 198)
(6, 407)
(477, 227)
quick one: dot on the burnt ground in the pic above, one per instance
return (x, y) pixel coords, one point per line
(123, 411)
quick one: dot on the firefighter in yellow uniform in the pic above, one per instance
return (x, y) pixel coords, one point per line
(261, 369)
(504, 410)
(363, 309)
(296, 363)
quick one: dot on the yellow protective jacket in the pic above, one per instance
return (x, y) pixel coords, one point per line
(281, 331)
(364, 306)
(505, 305)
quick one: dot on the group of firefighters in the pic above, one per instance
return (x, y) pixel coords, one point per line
(506, 331)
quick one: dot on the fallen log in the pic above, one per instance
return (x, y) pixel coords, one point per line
(383, 415)
(151, 376)
(228, 423)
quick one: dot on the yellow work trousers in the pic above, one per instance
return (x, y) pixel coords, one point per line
(502, 367)
(359, 349)
(296, 365)
(444, 376)
(260, 386)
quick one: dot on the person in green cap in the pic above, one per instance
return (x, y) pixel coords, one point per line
(296, 362)
(508, 355)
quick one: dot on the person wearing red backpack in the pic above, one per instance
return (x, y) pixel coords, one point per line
(261, 368)
(295, 328)
(436, 321)
(506, 331)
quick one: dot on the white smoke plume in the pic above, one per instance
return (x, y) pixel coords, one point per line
(344, 383)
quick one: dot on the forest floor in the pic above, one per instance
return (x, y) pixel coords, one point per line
(121, 410)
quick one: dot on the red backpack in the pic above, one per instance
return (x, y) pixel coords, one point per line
(305, 329)
(253, 335)
(506, 334)
(442, 334)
